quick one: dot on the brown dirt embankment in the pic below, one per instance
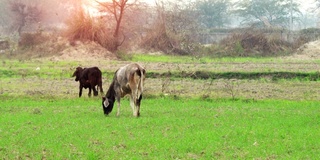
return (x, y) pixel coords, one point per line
(308, 51)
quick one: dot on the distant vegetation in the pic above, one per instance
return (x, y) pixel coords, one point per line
(169, 28)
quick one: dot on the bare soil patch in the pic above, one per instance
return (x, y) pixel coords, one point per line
(83, 52)
(308, 51)
(58, 48)
(220, 88)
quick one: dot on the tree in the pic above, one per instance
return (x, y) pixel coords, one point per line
(174, 30)
(268, 13)
(180, 18)
(4, 18)
(24, 14)
(117, 10)
(317, 3)
(213, 13)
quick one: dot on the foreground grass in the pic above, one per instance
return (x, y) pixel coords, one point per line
(40, 119)
(169, 128)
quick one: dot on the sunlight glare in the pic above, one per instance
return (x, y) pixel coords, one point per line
(90, 6)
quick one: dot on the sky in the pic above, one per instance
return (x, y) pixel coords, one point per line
(304, 3)
(306, 6)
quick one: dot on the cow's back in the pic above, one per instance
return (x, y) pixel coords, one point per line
(128, 77)
(91, 72)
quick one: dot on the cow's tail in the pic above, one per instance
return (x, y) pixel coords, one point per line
(140, 83)
(141, 79)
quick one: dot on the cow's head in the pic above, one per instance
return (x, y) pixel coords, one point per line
(107, 105)
(77, 73)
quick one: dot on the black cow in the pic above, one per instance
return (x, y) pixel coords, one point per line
(89, 78)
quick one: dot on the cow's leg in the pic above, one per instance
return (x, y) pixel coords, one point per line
(101, 90)
(80, 91)
(89, 94)
(100, 86)
(133, 106)
(138, 105)
(118, 111)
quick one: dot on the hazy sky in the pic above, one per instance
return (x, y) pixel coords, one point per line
(306, 5)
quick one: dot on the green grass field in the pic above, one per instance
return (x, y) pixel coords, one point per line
(246, 116)
(168, 129)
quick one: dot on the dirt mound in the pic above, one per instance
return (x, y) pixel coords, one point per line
(307, 51)
(47, 46)
(84, 51)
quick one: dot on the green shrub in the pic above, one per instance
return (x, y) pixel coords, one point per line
(238, 48)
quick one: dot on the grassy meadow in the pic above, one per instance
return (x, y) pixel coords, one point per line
(185, 113)
(168, 129)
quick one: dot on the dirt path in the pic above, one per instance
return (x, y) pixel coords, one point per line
(220, 88)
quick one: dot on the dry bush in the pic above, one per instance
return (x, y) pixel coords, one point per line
(105, 39)
(231, 87)
(279, 46)
(311, 33)
(246, 43)
(257, 42)
(39, 44)
(305, 36)
(32, 39)
(254, 43)
(301, 40)
(172, 31)
(157, 39)
(83, 27)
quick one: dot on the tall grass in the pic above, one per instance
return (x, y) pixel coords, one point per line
(168, 129)
(83, 27)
